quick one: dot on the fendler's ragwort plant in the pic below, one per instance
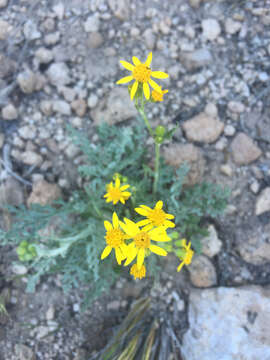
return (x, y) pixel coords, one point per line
(133, 240)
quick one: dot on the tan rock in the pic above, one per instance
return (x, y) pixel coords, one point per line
(203, 128)
(178, 154)
(211, 244)
(44, 193)
(202, 272)
(30, 157)
(115, 109)
(263, 202)
(79, 106)
(9, 112)
(244, 151)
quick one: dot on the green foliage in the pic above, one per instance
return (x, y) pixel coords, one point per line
(67, 238)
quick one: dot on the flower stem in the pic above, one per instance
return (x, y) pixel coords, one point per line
(146, 121)
(157, 155)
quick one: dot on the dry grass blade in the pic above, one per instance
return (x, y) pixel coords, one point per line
(149, 342)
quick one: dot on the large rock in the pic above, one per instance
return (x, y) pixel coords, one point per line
(228, 324)
(178, 154)
(202, 272)
(244, 151)
(211, 29)
(58, 74)
(115, 109)
(203, 128)
(263, 202)
(196, 59)
(44, 193)
(9, 112)
(252, 241)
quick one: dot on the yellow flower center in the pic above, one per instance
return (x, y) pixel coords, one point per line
(138, 274)
(142, 240)
(115, 193)
(157, 217)
(142, 73)
(114, 237)
(157, 96)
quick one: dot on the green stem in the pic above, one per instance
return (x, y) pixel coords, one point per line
(157, 155)
(146, 121)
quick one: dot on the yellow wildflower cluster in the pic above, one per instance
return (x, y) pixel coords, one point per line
(141, 73)
(116, 192)
(132, 240)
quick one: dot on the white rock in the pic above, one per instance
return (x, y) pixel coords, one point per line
(211, 245)
(3, 3)
(236, 107)
(31, 158)
(27, 81)
(149, 38)
(4, 29)
(228, 324)
(211, 29)
(92, 24)
(44, 56)
(31, 31)
(58, 74)
(92, 101)
(263, 202)
(229, 130)
(226, 170)
(196, 59)
(52, 39)
(62, 107)
(232, 27)
(27, 132)
(255, 187)
(9, 112)
(19, 269)
(59, 10)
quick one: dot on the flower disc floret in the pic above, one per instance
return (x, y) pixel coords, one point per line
(115, 239)
(155, 217)
(142, 73)
(138, 273)
(116, 192)
(141, 243)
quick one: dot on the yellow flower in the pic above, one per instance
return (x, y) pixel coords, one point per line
(155, 217)
(115, 240)
(142, 241)
(138, 273)
(141, 73)
(116, 192)
(157, 96)
(187, 254)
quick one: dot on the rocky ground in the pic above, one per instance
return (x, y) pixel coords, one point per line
(59, 61)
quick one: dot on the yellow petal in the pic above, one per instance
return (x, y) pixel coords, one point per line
(158, 250)
(127, 65)
(117, 182)
(155, 86)
(146, 228)
(125, 80)
(124, 187)
(107, 225)
(169, 224)
(146, 91)
(136, 61)
(159, 75)
(180, 266)
(115, 221)
(145, 207)
(131, 254)
(159, 205)
(169, 216)
(134, 89)
(118, 255)
(149, 59)
(129, 227)
(126, 194)
(142, 212)
(122, 200)
(159, 234)
(140, 258)
(106, 252)
(143, 222)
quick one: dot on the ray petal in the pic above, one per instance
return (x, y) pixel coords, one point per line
(127, 65)
(115, 221)
(124, 80)
(159, 74)
(106, 252)
(149, 59)
(159, 205)
(134, 89)
(107, 225)
(140, 258)
(136, 61)
(155, 86)
(140, 211)
(158, 250)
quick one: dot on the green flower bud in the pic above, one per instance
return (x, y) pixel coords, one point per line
(174, 235)
(159, 139)
(160, 130)
(24, 244)
(20, 251)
